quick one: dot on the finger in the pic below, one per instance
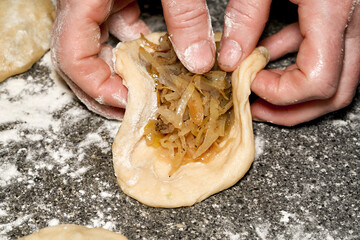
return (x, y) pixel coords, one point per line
(189, 25)
(319, 61)
(303, 112)
(287, 40)
(350, 74)
(244, 22)
(93, 105)
(76, 46)
(125, 23)
(288, 115)
(106, 54)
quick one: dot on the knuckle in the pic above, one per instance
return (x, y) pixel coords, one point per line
(188, 17)
(240, 11)
(342, 101)
(326, 89)
(98, 3)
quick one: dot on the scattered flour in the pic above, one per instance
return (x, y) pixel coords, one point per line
(30, 107)
(33, 110)
(53, 222)
(259, 146)
(61, 155)
(339, 123)
(3, 213)
(286, 216)
(354, 117)
(81, 171)
(14, 87)
(76, 114)
(106, 194)
(8, 172)
(232, 236)
(94, 138)
(262, 230)
(101, 222)
(7, 227)
(9, 135)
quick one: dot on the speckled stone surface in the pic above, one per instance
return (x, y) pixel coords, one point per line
(56, 167)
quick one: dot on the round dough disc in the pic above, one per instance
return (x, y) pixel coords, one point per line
(73, 232)
(24, 34)
(141, 170)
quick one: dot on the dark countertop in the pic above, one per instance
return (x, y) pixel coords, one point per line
(56, 167)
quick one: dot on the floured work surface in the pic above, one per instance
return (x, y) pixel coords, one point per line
(24, 34)
(56, 168)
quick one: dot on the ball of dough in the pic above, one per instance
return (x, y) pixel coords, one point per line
(71, 231)
(24, 34)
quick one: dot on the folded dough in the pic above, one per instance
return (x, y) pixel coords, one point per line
(142, 172)
(71, 231)
(24, 34)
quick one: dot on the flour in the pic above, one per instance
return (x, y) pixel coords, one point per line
(9, 135)
(106, 194)
(94, 138)
(53, 222)
(34, 111)
(339, 123)
(262, 230)
(3, 213)
(232, 236)
(101, 222)
(8, 172)
(79, 172)
(286, 216)
(7, 227)
(259, 146)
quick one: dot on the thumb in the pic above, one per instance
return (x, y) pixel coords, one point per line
(189, 26)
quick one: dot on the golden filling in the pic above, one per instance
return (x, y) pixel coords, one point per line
(194, 110)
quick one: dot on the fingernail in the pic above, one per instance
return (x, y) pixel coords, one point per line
(230, 54)
(199, 57)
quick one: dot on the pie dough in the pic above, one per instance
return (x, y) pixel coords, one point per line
(142, 172)
(73, 232)
(24, 34)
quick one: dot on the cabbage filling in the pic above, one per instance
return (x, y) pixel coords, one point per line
(195, 111)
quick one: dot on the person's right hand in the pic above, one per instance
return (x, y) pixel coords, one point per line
(323, 79)
(80, 55)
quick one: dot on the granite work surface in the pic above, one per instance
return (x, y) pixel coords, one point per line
(56, 168)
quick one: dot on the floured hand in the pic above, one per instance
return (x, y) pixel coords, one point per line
(81, 56)
(327, 37)
(326, 73)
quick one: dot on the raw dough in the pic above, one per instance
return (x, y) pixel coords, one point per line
(24, 34)
(73, 232)
(142, 172)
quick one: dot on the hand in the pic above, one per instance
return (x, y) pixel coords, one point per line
(189, 26)
(81, 57)
(326, 73)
